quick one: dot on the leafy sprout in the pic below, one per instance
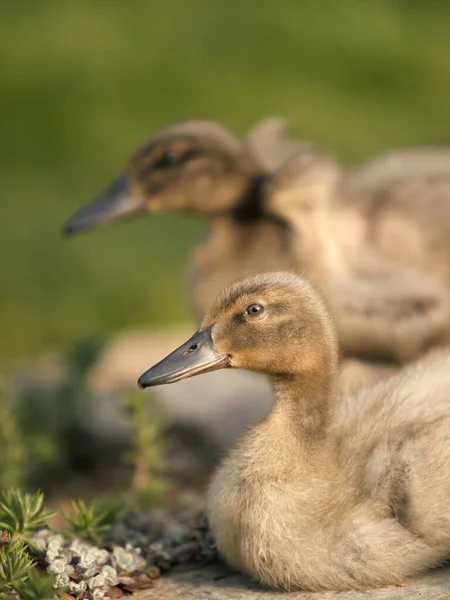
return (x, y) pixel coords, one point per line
(13, 450)
(38, 586)
(148, 485)
(22, 513)
(91, 521)
(15, 564)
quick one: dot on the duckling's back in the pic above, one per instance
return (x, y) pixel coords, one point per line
(393, 440)
(420, 393)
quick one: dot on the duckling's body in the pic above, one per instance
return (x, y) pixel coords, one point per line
(368, 508)
(400, 208)
(326, 492)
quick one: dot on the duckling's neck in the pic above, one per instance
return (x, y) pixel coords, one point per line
(303, 401)
(249, 206)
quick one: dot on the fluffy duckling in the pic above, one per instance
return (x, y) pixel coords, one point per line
(324, 493)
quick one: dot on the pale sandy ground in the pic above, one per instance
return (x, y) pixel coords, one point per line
(215, 583)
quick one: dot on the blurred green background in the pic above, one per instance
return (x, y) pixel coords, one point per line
(83, 82)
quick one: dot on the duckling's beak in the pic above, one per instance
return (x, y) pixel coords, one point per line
(197, 355)
(114, 203)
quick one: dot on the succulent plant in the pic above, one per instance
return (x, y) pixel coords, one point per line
(77, 565)
(22, 513)
(39, 586)
(90, 521)
(83, 567)
(15, 564)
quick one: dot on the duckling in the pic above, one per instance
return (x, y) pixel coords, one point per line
(325, 493)
(200, 166)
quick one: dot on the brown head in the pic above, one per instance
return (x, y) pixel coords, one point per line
(273, 323)
(194, 166)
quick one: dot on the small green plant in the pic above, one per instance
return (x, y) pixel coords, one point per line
(40, 425)
(19, 575)
(38, 586)
(148, 486)
(15, 563)
(90, 521)
(13, 450)
(22, 513)
(71, 565)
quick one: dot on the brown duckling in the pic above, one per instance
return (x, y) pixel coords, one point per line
(199, 166)
(326, 492)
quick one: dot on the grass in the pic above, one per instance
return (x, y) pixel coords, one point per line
(83, 82)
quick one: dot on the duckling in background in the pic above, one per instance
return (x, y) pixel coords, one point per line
(277, 204)
(326, 493)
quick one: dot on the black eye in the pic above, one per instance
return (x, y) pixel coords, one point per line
(168, 159)
(254, 310)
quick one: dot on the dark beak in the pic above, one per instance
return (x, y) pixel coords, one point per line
(114, 203)
(197, 355)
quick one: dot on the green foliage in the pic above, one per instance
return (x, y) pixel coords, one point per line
(15, 564)
(89, 80)
(22, 513)
(18, 573)
(38, 586)
(38, 437)
(90, 521)
(148, 486)
(38, 426)
(13, 450)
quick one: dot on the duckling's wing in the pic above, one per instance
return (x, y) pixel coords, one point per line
(393, 445)
(416, 396)
(406, 209)
(393, 313)
(378, 174)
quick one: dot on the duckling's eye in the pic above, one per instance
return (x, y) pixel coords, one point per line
(254, 310)
(168, 159)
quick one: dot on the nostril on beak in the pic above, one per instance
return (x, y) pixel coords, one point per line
(192, 348)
